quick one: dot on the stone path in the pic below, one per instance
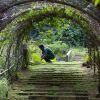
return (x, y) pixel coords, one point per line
(52, 82)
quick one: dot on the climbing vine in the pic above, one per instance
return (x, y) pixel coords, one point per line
(15, 34)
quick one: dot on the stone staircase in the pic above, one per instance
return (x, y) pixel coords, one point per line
(78, 58)
(51, 82)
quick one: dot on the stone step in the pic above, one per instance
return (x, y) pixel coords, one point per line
(59, 82)
(50, 69)
(60, 64)
(53, 80)
(58, 72)
(58, 75)
(59, 89)
(19, 98)
(51, 73)
(56, 90)
(53, 77)
(73, 69)
(94, 98)
(78, 57)
(58, 97)
(51, 83)
(53, 93)
(48, 97)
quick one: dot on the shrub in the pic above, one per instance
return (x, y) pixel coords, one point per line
(2, 60)
(36, 58)
(3, 89)
(58, 47)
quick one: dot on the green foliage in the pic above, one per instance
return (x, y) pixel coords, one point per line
(34, 52)
(55, 29)
(86, 58)
(73, 35)
(96, 2)
(2, 61)
(36, 58)
(97, 58)
(59, 47)
(58, 34)
(3, 89)
(92, 59)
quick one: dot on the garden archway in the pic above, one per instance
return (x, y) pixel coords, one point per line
(28, 22)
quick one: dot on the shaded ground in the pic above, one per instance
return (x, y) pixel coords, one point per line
(55, 82)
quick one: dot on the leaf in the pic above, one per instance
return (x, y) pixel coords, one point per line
(96, 2)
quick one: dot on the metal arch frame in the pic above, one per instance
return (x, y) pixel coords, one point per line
(4, 23)
(52, 1)
(37, 18)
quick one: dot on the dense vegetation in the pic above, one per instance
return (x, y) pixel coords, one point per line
(58, 34)
(59, 28)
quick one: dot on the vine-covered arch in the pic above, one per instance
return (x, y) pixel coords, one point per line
(87, 17)
(81, 6)
(9, 5)
(59, 13)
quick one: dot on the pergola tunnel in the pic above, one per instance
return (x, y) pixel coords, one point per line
(70, 29)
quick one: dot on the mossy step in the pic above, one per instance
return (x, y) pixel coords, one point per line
(59, 75)
(40, 76)
(56, 76)
(58, 90)
(17, 97)
(73, 77)
(53, 93)
(94, 99)
(53, 81)
(77, 66)
(48, 78)
(77, 74)
(59, 69)
(67, 67)
(54, 64)
(59, 72)
(57, 84)
(50, 68)
(67, 72)
(58, 97)
(46, 97)
(78, 57)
